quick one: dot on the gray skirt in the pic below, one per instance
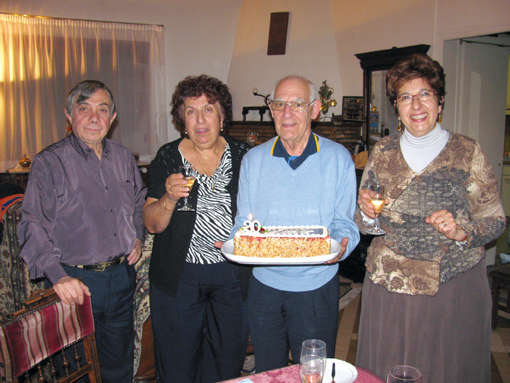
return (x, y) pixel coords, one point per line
(447, 336)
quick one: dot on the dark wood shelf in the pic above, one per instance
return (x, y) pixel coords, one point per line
(346, 133)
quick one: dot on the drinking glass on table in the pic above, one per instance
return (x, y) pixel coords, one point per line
(313, 361)
(404, 374)
(377, 199)
(189, 173)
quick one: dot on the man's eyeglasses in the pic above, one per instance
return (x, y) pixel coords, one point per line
(423, 96)
(295, 106)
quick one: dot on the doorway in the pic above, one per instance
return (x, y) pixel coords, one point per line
(475, 103)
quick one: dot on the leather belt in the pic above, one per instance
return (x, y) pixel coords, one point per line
(101, 266)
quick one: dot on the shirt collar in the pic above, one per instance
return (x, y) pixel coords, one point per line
(83, 149)
(312, 147)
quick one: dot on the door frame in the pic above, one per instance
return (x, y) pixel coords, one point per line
(438, 49)
(438, 46)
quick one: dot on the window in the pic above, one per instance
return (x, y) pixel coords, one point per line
(41, 59)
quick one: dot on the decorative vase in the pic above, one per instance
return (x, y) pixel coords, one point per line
(25, 162)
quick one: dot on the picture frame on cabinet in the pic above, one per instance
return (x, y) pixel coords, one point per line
(352, 108)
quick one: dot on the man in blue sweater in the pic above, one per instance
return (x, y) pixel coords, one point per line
(296, 178)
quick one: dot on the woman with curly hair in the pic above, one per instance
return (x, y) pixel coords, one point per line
(426, 297)
(196, 296)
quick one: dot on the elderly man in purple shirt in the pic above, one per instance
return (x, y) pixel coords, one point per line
(81, 225)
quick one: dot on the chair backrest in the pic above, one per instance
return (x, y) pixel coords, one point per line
(43, 328)
(15, 283)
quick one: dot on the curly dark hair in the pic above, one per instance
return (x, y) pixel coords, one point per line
(416, 66)
(196, 86)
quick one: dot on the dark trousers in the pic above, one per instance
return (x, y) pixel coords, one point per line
(112, 306)
(200, 334)
(282, 320)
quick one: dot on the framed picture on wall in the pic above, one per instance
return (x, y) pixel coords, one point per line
(352, 108)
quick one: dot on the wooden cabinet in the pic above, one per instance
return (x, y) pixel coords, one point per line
(16, 178)
(376, 61)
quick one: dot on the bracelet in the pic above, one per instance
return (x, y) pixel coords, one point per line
(164, 205)
(463, 242)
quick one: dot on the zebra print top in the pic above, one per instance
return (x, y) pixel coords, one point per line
(214, 213)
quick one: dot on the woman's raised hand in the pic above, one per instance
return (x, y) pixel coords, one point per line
(364, 204)
(175, 186)
(443, 222)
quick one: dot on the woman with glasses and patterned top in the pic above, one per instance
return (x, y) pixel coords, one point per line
(426, 297)
(196, 296)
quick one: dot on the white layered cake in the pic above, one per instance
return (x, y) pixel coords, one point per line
(282, 242)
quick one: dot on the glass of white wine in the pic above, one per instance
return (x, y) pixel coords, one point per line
(189, 173)
(404, 374)
(312, 361)
(377, 199)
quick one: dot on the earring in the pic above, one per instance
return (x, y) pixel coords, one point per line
(440, 117)
(399, 128)
(186, 132)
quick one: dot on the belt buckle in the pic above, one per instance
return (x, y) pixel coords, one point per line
(102, 267)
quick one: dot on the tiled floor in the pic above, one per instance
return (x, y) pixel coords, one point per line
(348, 323)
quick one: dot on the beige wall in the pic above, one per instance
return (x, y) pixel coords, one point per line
(228, 38)
(366, 25)
(310, 49)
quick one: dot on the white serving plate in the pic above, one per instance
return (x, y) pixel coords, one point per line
(344, 372)
(228, 251)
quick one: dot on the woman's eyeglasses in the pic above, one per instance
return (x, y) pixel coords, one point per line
(423, 96)
(297, 106)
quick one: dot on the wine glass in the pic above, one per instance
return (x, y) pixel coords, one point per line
(404, 374)
(189, 173)
(377, 199)
(313, 361)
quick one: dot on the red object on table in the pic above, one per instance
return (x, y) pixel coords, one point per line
(291, 375)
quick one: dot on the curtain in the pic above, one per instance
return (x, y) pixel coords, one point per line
(41, 59)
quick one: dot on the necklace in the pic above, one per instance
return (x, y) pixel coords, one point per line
(213, 175)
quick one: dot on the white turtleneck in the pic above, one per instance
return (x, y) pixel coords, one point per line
(420, 151)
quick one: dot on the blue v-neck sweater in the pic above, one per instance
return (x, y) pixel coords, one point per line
(321, 191)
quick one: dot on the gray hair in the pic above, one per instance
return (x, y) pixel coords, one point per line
(314, 94)
(83, 91)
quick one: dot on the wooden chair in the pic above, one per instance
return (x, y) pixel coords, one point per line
(45, 327)
(500, 280)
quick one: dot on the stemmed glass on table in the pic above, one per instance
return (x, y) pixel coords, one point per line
(189, 172)
(404, 374)
(313, 361)
(377, 199)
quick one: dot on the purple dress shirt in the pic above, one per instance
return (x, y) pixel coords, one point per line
(78, 209)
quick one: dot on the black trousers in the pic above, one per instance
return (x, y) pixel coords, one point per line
(200, 335)
(282, 320)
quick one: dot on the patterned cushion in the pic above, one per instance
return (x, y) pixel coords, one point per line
(15, 284)
(33, 336)
(142, 304)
